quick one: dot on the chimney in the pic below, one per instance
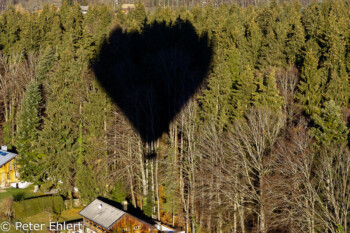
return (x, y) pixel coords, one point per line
(125, 205)
(100, 208)
(4, 148)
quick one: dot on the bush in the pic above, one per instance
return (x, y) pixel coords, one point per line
(18, 196)
(30, 207)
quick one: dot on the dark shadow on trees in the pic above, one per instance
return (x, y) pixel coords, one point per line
(151, 75)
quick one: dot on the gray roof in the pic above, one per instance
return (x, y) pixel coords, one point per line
(5, 157)
(84, 8)
(105, 216)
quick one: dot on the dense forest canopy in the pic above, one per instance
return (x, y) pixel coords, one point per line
(31, 5)
(261, 146)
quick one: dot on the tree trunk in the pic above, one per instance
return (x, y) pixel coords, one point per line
(262, 204)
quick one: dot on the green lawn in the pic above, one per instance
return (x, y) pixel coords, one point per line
(43, 217)
(27, 192)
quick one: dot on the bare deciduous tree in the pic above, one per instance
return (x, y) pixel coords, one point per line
(251, 140)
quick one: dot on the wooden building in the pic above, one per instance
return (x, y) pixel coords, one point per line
(8, 168)
(127, 8)
(100, 216)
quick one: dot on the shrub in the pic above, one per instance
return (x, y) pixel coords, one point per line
(18, 196)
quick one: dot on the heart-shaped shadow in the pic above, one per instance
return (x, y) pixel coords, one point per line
(151, 75)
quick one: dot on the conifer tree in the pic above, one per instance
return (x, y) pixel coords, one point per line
(295, 34)
(58, 139)
(312, 83)
(46, 63)
(10, 35)
(30, 36)
(136, 18)
(329, 127)
(97, 23)
(67, 2)
(92, 143)
(338, 86)
(274, 37)
(253, 37)
(46, 22)
(216, 99)
(267, 92)
(27, 135)
(243, 91)
(53, 37)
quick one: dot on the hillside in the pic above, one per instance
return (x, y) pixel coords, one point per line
(211, 119)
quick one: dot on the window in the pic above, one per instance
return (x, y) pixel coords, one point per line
(137, 227)
(125, 229)
(10, 165)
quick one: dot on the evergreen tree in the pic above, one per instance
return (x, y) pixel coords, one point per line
(30, 36)
(68, 2)
(329, 127)
(216, 99)
(10, 34)
(92, 143)
(136, 19)
(46, 63)
(243, 91)
(54, 36)
(267, 92)
(48, 19)
(295, 34)
(274, 36)
(253, 36)
(338, 86)
(311, 87)
(27, 135)
(58, 139)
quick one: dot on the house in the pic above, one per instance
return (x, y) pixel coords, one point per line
(127, 7)
(84, 9)
(8, 168)
(101, 216)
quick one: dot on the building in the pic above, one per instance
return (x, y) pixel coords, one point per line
(8, 168)
(84, 9)
(100, 216)
(127, 7)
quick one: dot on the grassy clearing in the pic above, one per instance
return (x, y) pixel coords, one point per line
(27, 192)
(46, 217)
(41, 218)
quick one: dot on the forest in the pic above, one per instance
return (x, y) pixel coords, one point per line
(255, 139)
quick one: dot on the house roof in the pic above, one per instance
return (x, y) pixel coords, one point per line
(6, 157)
(84, 8)
(110, 212)
(128, 6)
(102, 213)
